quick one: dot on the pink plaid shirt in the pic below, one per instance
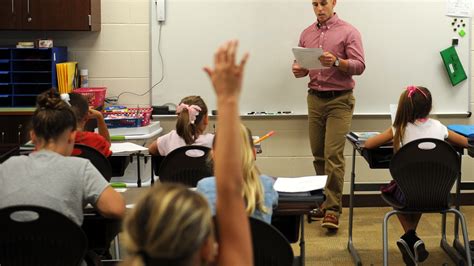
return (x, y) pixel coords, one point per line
(341, 39)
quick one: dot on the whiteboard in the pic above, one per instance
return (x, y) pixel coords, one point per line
(402, 40)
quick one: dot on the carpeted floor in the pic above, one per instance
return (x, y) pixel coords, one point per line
(323, 248)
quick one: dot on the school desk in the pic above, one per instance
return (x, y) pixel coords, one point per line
(124, 143)
(379, 158)
(287, 206)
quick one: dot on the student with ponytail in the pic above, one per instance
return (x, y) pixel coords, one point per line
(190, 128)
(258, 192)
(412, 122)
(49, 177)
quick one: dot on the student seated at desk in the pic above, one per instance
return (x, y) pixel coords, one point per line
(259, 194)
(172, 225)
(101, 141)
(412, 123)
(48, 177)
(190, 127)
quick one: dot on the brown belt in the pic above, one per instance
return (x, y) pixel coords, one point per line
(328, 94)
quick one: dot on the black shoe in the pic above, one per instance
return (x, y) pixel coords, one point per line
(407, 255)
(421, 254)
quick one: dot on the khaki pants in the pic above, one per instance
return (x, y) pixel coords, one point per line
(329, 121)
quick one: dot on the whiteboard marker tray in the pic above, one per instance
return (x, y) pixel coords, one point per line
(127, 131)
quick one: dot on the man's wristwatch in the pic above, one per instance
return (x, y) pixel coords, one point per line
(336, 63)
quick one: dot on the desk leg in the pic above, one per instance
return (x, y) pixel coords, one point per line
(139, 179)
(456, 251)
(152, 177)
(350, 244)
(302, 243)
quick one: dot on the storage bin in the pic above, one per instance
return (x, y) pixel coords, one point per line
(132, 117)
(95, 96)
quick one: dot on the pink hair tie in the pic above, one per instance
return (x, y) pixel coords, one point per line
(412, 89)
(193, 111)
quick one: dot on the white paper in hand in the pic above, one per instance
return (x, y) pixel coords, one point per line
(308, 57)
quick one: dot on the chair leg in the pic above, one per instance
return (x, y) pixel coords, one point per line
(443, 227)
(385, 235)
(464, 234)
(117, 247)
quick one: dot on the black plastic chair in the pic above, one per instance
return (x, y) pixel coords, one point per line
(46, 238)
(186, 165)
(425, 171)
(270, 247)
(96, 158)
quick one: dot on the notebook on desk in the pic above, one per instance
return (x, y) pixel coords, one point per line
(465, 130)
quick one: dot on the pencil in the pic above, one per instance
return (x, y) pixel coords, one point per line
(269, 134)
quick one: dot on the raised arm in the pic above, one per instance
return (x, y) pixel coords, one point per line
(102, 127)
(235, 247)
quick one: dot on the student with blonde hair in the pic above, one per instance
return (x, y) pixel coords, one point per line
(412, 122)
(258, 192)
(190, 128)
(172, 225)
(185, 237)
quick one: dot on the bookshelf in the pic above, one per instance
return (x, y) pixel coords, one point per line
(27, 72)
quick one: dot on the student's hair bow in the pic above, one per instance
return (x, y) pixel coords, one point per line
(412, 89)
(193, 111)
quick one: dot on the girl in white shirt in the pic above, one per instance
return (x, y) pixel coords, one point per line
(412, 123)
(190, 126)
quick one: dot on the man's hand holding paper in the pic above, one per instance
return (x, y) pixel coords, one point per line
(310, 58)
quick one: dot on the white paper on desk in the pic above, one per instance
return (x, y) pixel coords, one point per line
(308, 57)
(126, 147)
(300, 184)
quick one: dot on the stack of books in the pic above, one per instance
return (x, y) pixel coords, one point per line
(361, 137)
(25, 45)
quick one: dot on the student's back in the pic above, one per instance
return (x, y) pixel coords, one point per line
(191, 124)
(258, 191)
(48, 179)
(172, 141)
(429, 128)
(207, 187)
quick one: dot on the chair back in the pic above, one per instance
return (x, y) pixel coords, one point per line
(186, 165)
(95, 157)
(270, 247)
(425, 171)
(46, 237)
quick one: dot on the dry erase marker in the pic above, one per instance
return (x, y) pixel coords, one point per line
(269, 134)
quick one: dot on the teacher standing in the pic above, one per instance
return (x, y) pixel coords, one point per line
(330, 99)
